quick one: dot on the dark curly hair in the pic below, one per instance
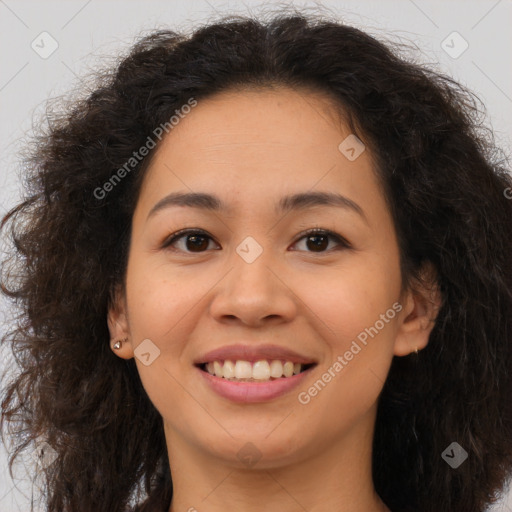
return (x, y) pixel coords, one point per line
(446, 184)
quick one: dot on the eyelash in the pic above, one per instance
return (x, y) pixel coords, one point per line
(315, 231)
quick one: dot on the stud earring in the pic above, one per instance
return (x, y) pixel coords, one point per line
(118, 343)
(416, 350)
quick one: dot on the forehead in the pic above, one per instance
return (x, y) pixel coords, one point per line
(282, 136)
(280, 115)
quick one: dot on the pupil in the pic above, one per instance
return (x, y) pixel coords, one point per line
(317, 244)
(194, 239)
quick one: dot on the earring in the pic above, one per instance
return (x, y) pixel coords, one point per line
(416, 350)
(117, 344)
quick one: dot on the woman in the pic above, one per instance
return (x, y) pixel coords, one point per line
(265, 267)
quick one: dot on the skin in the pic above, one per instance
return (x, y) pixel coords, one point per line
(251, 148)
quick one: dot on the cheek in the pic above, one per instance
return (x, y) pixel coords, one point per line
(157, 311)
(359, 349)
(157, 297)
(351, 297)
(362, 308)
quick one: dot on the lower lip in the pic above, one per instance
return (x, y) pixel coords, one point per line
(251, 392)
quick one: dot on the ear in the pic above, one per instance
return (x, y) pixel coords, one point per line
(118, 325)
(421, 307)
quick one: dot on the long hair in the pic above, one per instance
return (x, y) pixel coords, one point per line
(447, 188)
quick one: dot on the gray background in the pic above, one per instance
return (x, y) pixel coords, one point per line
(89, 32)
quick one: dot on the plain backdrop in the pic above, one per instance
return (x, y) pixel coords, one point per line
(46, 46)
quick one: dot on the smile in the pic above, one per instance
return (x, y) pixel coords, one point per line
(262, 370)
(245, 382)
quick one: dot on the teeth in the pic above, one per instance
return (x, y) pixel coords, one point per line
(228, 371)
(218, 369)
(276, 369)
(288, 369)
(260, 370)
(243, 370)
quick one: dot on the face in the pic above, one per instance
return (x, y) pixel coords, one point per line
(249, 275)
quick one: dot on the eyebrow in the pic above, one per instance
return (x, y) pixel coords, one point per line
(300, 201)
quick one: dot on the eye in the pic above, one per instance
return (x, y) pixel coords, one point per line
(318, 239)
(197, 240)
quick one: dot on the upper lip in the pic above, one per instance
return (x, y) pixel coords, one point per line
(253, 353)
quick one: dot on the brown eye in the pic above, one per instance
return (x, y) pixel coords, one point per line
(317, 240)
(195, 241)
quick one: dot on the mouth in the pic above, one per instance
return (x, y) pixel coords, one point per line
(254, 371)
(246, 382)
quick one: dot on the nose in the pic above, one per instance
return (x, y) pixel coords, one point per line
(255, 292)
